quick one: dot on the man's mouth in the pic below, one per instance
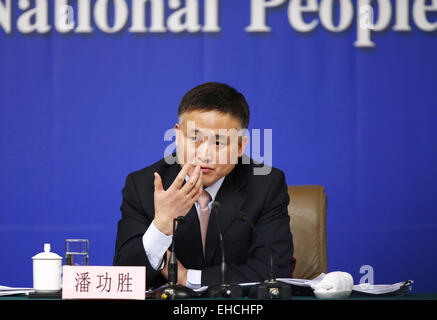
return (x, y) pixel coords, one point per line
(206, 169)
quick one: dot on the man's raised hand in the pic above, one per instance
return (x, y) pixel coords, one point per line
(177, 200)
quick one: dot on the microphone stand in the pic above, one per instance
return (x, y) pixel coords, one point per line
(270, 289)
(173, 290)
(222, 290)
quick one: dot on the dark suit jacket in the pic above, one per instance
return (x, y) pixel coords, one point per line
(263, 198)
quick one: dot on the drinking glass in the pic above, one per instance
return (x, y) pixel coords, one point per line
(76, 252)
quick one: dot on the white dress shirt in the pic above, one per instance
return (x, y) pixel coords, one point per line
(156, 243)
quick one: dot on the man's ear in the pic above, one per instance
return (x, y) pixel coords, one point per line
(243, 143)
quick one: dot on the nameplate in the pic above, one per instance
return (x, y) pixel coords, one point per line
(97, 282)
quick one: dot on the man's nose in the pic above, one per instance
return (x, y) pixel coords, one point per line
(203, 153)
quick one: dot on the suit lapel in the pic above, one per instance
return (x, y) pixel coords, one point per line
(231, 201)
(189, 241)
(170, 175)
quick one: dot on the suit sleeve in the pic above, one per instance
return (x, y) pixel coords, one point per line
(129, 249)
(274, 229)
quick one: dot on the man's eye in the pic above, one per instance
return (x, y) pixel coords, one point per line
(220, 143)
(193, 138)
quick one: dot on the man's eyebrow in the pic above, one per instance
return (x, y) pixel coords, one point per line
(217, 136)
(220, 136)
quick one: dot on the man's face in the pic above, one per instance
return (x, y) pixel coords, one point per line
(211, 139)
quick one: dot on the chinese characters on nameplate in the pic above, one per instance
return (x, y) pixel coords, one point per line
(96, 282)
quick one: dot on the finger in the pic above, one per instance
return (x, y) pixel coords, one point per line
(158, 182)
(197, 187)
(197, 194)
(177, 183)
(191, 181)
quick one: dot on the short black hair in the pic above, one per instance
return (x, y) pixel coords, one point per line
(214, 96)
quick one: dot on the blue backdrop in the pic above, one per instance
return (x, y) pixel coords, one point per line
(79, 111)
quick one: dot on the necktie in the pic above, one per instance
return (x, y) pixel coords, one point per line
(203, 201)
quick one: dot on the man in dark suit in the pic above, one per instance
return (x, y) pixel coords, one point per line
(208, 166)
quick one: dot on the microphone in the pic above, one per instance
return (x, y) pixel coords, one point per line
(172, 263)
(222, 290)
(270, 289)
(172, 290)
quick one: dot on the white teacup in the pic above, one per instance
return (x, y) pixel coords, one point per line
(47, 271)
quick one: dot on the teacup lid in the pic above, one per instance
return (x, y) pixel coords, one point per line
(47, 255)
